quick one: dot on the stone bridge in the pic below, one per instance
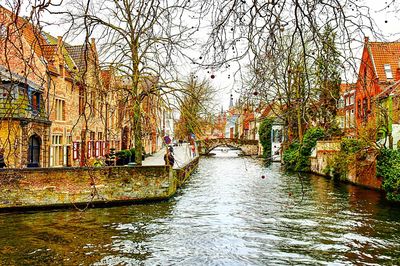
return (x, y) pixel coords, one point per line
(248, 146)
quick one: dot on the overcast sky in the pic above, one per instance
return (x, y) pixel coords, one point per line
(228, 79)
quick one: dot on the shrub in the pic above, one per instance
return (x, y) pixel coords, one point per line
(132, 150)
(352, 145)
(291, 155)
(338, 167)
(296, 157)
(388, 167)
(265, 136)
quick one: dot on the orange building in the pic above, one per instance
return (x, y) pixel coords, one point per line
(379, 68)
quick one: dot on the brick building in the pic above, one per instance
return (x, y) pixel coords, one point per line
(54, 109)
(346, 109)
(379, 68)
(25, 77)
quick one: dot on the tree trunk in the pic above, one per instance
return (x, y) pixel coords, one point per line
(137, 132)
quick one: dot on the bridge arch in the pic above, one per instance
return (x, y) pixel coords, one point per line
(248, 147)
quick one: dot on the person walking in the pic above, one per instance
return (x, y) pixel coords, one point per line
(169, 159)
(2, 163)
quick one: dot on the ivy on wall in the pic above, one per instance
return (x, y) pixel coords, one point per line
(297, 156)
(265, 136)
(388, 167)
(338, 167)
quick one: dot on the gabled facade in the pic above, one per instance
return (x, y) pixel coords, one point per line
(24, 82)
(54, 109)
(379, 68)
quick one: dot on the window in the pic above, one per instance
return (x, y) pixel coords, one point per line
(56, 151)
(75, 150)
(35, 101)
(105, 148)
(60, 110)
(365, 108)
(351, 99)
(359, 111)
(98, 148)
(341, 102)
(341, 122)
(352, 119)
(90, 149)
(3, 31)
(388, 71)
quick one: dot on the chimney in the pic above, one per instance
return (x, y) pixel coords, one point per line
(231, 102)
(366, 39)
(60, 58)
(59, 41)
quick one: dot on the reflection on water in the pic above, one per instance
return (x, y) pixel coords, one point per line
(226, 214)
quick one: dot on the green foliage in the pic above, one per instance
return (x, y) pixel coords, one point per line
(338, 167)
(291, 156)
(388, 167)
(328, 68)
(334, 130)
(352, 145)
(265, 136)
(123, 154)
(133, 154)
(296, 157)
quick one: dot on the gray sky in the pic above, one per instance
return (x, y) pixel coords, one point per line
(228, 79)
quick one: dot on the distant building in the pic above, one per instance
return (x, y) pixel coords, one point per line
(346, 109)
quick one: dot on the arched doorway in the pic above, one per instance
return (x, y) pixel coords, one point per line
(34, 151)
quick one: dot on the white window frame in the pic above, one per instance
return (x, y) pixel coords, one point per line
(388, 71)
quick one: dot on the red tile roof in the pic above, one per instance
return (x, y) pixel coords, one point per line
(385, 53)
(32, 34)
(392, 89)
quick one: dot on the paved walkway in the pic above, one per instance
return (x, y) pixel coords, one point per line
(182, 155)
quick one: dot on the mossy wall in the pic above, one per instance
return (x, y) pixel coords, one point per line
(66, 187)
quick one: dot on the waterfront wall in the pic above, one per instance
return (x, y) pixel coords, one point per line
(361, 172)
(63, 187)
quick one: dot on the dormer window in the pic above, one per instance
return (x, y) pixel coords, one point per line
(388, 71)
(3, 31)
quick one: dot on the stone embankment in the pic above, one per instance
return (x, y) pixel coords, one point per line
(97, 186)
(361, 172)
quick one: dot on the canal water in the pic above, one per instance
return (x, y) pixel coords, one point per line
(233, 211)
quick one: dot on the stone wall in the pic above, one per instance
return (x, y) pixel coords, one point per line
(66, 187)
(249, 149)
(323, 153)
(362, 172)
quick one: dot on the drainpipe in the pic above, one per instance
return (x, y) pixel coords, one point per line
(390, 122)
